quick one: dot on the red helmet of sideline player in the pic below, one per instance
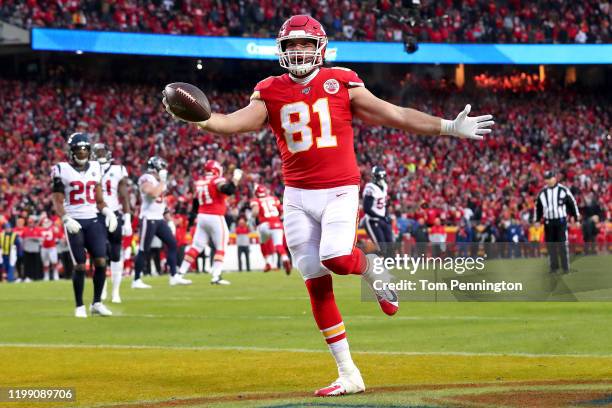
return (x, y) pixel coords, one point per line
(213, 167)
(301, 62)
(260, 191)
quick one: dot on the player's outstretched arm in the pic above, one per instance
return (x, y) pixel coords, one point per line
(248, 119)
(376, 111)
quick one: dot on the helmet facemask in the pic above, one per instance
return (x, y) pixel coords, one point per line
(75, 152)
(101, 153)
(301, 62)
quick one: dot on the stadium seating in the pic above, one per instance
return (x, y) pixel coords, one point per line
(429, 177)
(511, 21)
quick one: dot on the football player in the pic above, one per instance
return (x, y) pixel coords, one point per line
(77, 198)
(210, 204)
(267, 210)
(310, 110)
(152, 186)
(116, 195)
(48, 251)
(376, 221)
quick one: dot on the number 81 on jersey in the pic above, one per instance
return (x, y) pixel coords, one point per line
(292, 127)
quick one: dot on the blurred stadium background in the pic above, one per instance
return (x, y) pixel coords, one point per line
(105, 74)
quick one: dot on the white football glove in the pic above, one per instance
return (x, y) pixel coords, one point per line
(163, 175)
(126, 230)
(237, 175)
(72, 226)
(110, 219)
(467, 127)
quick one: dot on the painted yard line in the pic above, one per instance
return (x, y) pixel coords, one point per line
(272, 317)
(295, 350)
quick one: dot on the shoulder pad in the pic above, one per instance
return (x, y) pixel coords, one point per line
(347, 76)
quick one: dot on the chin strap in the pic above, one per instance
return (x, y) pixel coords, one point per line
(306, 79)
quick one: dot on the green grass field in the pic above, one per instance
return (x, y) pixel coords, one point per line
(255, 343)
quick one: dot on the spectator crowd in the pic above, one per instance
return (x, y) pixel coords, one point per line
(482, 190)
(484, 21)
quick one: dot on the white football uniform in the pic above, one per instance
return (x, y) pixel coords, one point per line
(112, 174)
(380, 198)
(151, 208)
(79, 188)
(319, 225)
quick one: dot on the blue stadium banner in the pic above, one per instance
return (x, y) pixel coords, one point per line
(340, 51)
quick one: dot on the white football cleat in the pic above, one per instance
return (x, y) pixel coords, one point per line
(80, 311)
(139, 284)
(116, 298)
(387, 298)
(98, 308)
(352, 384)
(179, 280)
(220, 281)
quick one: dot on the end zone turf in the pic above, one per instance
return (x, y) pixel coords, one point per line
(161, 377)
(255, 344)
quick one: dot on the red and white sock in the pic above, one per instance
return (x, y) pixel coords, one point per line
(218, 264)
(190, 256)
(329, 321)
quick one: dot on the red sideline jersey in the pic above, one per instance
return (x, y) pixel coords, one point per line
(269, 211)
(50, 236)
(313, 127)
(210, 199)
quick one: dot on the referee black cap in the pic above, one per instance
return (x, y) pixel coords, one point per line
(549, 174)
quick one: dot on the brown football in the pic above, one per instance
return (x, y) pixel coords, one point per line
(187, 101)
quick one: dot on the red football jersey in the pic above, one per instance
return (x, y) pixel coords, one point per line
(269, 211)
(50, 236)
(313, 127)
(211, 200)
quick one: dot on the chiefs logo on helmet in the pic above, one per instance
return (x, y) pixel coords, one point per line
(213, 167)
(301, 62)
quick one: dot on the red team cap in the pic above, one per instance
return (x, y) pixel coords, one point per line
(213, 167)
(301, 62)
(260, 191)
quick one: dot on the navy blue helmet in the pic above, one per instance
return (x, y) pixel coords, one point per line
(378, 173)
(156, 163)
(79, 148)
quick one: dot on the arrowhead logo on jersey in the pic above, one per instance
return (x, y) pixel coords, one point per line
(331, 86)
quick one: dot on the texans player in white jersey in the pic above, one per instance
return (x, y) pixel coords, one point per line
(376, 221)
(116, 195)
(77, 199)
(310, 109)
(152, 187)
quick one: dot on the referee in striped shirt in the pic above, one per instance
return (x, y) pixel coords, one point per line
(554, 204)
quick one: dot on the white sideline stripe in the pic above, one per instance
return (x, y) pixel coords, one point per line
(293, 350)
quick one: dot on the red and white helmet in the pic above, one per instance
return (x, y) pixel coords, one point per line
(301, 62)
(260, 191)
(213, 167)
